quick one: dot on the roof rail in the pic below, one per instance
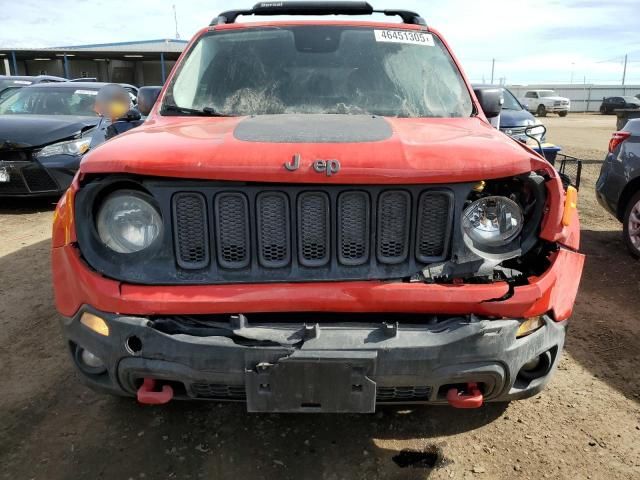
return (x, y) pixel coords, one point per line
(315, 8)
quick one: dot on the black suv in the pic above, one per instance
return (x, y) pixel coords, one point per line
(609, 104)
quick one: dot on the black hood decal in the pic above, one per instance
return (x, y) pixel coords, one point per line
(23, 131)
(313, 129)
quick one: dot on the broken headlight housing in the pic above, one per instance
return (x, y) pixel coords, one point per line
(492, 221)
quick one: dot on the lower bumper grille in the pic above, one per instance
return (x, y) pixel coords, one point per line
(212, 391)
(25, 178)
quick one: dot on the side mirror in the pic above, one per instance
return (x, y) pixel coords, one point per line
(490, 100)
(147, 97)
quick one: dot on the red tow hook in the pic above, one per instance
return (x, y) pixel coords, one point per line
(148, 395)
(472, 399)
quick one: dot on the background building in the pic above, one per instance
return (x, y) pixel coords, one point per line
(139, 63)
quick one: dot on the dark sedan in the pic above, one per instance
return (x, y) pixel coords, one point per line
(610, 104)
(618, 188)
(44, 131)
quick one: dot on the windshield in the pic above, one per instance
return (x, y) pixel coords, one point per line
(510, 102)
(319, 69)
(50, 101)
(547, 93)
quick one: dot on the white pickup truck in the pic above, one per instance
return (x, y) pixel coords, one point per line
(542, 102)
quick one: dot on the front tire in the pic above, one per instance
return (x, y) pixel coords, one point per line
(541, 111)
(563, 114)
(603, 110)
(631, 226)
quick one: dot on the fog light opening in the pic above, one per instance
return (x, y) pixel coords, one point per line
(95, 323)
(89, 362)
(536, 367)
(133, 345)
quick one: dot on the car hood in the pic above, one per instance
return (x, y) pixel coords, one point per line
(516, 118)
(370, 149)
(555, 99)
(24, 131)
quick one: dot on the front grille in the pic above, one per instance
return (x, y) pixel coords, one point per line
(38, 180)
(214, 391)
(305, 230)
(403, 394)
(394, 215)
(431, 225)
(274, 245)
(232, 230)
(191, 233)
(25, 177)
(314, 231)
(354, 225)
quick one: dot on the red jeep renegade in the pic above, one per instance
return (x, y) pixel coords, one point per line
(317, 216)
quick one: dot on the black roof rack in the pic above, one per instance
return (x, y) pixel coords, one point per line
(315, 8)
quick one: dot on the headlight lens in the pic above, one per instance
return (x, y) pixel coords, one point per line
(72, 147)
(127, 222)
(492, 221)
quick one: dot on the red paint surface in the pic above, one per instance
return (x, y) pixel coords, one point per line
(76, 284)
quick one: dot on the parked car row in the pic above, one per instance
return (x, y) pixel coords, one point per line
(47, 127)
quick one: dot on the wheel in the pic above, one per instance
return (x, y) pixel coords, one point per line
(541, 111)
(603, 110)
(563, 114)
(631, 226)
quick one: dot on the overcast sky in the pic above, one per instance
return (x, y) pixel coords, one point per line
(532, 41)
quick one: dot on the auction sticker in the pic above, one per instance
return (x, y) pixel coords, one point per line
(404, 36)
(86, 92)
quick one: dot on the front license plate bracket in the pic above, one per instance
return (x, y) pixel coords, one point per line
(313, 383)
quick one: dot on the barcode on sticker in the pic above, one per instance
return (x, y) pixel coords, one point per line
(86, 92)
(404, 36)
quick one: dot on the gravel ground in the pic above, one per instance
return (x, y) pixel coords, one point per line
(586, 424)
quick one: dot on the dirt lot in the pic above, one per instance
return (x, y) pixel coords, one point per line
(586, 424)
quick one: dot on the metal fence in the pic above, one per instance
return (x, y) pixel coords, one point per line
(584, 97)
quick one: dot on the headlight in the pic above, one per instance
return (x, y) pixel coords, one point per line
(72, 147)
(128, 222)
(492, 221)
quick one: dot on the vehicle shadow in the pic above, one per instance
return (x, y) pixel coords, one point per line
(604, 330)
(19, 206)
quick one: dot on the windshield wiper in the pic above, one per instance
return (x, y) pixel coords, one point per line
(205, 112)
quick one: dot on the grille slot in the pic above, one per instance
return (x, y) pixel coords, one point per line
(353, 228)
(394, 216)
(313, 229)
(232, 230)
(402, 394)
(433, 225)
(219, 391)
(191, 230)
(274, 233)
(38, 180)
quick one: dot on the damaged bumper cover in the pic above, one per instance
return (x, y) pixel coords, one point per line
(554, 291)
(333, 367)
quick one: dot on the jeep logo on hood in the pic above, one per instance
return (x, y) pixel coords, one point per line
(328, 167)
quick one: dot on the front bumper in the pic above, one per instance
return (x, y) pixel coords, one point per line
(558, 108)
(316, 368)
(47, 178)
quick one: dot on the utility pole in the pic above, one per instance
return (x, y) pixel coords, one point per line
(493, 65)
(175, 20)
(624, 70)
